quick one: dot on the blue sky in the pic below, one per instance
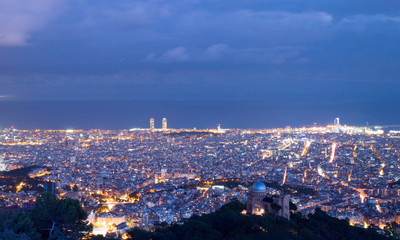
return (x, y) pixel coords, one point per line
(285, 51)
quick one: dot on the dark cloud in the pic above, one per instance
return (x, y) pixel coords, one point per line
(178, 49)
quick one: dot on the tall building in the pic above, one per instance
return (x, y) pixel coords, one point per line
(3, 165)
(336, 122)
(163, 172)
(259, 202)
(164, 124)
(218, 127)
(152, 124)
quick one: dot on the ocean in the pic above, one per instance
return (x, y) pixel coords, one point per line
(190, 114)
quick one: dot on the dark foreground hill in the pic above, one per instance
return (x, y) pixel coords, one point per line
(229, 223)
(63, 218)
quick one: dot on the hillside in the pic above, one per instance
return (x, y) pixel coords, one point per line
(229, 223)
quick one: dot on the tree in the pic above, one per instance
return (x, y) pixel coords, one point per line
(67, 188)
(229, 223)
(292, 206)
(17, 225)
(275, 206)
(139, 234)
(234, 205)
(59, 217)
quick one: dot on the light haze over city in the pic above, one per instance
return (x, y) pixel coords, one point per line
(271, 60)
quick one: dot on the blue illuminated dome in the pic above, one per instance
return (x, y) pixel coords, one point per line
(259, 187)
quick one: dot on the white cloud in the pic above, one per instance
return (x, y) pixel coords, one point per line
(273, 55)
(368, 23)
(371, 18)
(20, 18)
(177, 54)
(287, 18)
(215, 51)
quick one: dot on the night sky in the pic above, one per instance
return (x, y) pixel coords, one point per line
(275, 51)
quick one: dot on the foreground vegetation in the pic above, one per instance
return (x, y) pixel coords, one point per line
(51, 218)
(229, 223)
(64, 218)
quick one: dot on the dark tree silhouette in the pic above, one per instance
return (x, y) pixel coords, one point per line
(229, 223)
(55, 217)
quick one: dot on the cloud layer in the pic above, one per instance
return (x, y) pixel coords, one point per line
(20, 18)
(49, 46)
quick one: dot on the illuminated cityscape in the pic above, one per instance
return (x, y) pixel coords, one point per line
(189, 120)
(143, 177)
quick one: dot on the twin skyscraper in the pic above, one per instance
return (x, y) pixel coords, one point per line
(164, 124)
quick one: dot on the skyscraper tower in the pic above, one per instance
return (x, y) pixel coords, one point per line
(218, 127)
(164, 124)
(152, 124)
(336, 122)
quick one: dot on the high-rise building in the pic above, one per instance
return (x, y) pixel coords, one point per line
(3, 165)
(164, 124)
(218, 127)
(336, 122)
(163, 172)
(152, 124)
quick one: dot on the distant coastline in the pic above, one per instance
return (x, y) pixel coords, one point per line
(90, 114)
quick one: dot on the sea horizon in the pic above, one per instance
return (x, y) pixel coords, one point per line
(200, 114)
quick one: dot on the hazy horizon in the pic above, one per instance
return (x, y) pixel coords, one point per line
(253, 64)
(126, 114)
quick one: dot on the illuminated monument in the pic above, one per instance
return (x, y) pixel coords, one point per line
(152, 124)
(254, 198)
(164, 124)
(259, 202)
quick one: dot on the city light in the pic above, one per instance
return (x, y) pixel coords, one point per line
(180, 171)
(333, 149)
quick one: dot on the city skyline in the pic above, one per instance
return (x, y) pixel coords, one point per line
(83, 65)
(139, 178)
(187, 114)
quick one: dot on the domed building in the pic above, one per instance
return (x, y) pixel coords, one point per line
(259, 187)
(259, 202)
